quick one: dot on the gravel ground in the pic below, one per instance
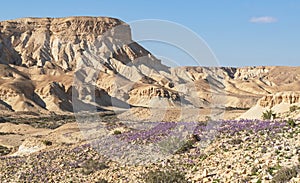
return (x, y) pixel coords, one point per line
(270, 154)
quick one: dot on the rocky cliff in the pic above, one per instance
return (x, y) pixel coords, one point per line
(279, 98)
(284, 104)
(44, 62)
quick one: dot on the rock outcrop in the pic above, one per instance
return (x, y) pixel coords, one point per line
(278, 98)
(280, 103)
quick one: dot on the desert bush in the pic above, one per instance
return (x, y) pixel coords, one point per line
(291, 122)
(4, 150)
(203, 156)
(165, 176)
(7, 133)
(117, 132)
(2, 120)
(208, 118)
(294, 108)
(254, 170)
(47, 142)
(285, 174)
(271, 170)
(90, 166)
(269, 114)
(189, 144)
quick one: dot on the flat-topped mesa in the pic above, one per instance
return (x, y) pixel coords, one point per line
(70, 26)
(34, 41)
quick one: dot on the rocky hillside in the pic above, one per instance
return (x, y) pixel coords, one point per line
(48, 63)
(283, 104)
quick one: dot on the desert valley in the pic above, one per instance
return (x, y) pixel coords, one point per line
(80, 101)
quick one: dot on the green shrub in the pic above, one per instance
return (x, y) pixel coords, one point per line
(294, 108)
(254, 170)
(47, 142)
(269, 114)
(291, 122)
(270, 170)
(117, 132)
(203, 156)
(166, 176)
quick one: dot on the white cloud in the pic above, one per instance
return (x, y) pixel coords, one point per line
(265, 19)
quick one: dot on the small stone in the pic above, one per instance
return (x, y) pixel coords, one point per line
(242, 171)
(206, 180)
(248, 158)
(246, 138)
(268, 177)
(197, 176)
(205, 173)
(193, 151)
(254, 180)
(295, 151)
(268, 162)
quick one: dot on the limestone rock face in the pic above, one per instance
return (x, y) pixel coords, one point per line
(34, 41)
(280, 103)
(280, 97)
(46, 62)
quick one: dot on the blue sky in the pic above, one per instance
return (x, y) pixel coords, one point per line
(240, 33)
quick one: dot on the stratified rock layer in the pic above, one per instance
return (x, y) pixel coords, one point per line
(46, 63)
